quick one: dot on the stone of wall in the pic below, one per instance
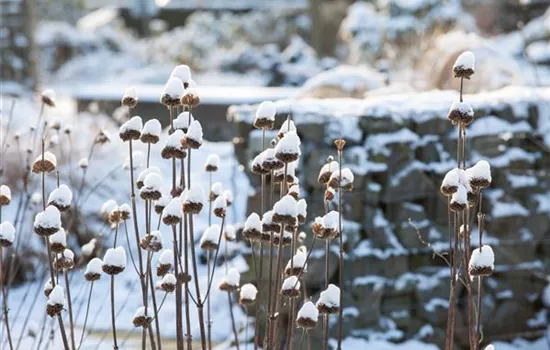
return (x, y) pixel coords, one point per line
(399, 148)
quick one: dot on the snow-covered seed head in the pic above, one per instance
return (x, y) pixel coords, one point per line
(130, 97)
(297, 266)
(228, 195)
(58, 241)
(220, 206)
(93, 270)
(230, 233)
(48, 97)
(56, 301)
(301, 209)
(210, 237)
(131, 129)
(329, 300)
(141, 319)
(480, 174)
(190, 97)
(265, 115)
(482, 261)
(230, 281)
(44, 163)
(183, 121)
(343, 181)
(256, 167)
(461, 113)
(302, 237)
(326, 171)
(253, 227)
(287, 237)
(216, 190)
(318, 228)
(307, 316)
(291, 287)
(5, 195)
(279, 175)
(459, 199)
(269, 226)
(151, 131)
(61, 198)
(125, 211)
(173, 91)
(152, 241)
(294, 191)
(48, 287)
(88, 248)
(7, 234)
(193, 199)
(83, 163)
(65, 260)
(269, 161)
(107, 208)
(47, 222)
(172, 213)
(464, 65)
(284, 211)
(248, 293)
(55, 124)
(152, 185)
(288, 126)
(212, 163)
(102, 137)
(450, 182)
(114, 261)
(162, 202)
(173, 147)
(168, 283)
(288, 148)
(183, 72)
(329, 194)
(193, 137)
(115, 217)
(165, 262)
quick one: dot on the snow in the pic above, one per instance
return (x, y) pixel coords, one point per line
(174, 88)
(298, 261)
(329, 167)
(48, 156)
(130, 92)
(465, 60)
(140, 312)
(482, 258)
(380, 344)
(285, 206)
(211, 234)
(492, 125)
(152, 127)
(253, 222)
(143, 174)
(182, 121)
(266, 110)
(508, 209)
(248, 291)
(57, 296)
(174, 208)
(522, 181)
(481, 170)
(349, 79)
(345, 179)
(490, 347)
(94, 266)
(7, 231)
(230, 232)
(194, 132)
(233, 277)
(60, 237)
(291, 283)
(174, 140)
(68, 254)
(134, 124)
(462, 107)
(182, 72)
(460, 196)
(309, 311)
(195, 194)
(115, 257)
(451, 179)
(88, 248)
(62, 196)
(152, 181)
(169, 279)
(49, 218)
(228, 196)
(156, 237)
(330, 220)
(301, 207)
(216, 189)
(49, 93)
(289, 144)
(83, 162)
(108, 207)
(5, 192)
(212, 160)
(220, 203)
(166, 257)
(330, 297)
(288, 126)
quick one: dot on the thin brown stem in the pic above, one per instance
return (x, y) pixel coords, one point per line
(86, 317)
(233, 324)
(5, 300)
(71, 321)
(113, 316)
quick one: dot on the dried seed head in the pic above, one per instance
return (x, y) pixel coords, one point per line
(464, 65)
(48, 97)
(340, 143)
(130, 97)
(45, 163)
(102, 137)
(5, 195)
(7, 234)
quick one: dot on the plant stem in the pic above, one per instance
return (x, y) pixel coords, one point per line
(154, 298)
(234, 326)
(196, 279)
(71, 321)
(113, 317)
(340, 256)
(86, 317)
(5, 300)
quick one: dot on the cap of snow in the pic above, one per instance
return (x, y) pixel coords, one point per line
(452, 178)
(228, 196)
(308, 311)
(49, 218)
(463, 107)
(481, 170)
(61, 195)
(182, 72)
(230, 232)
(466, 60)
(290, 143)
(211, 234)
(174, 88)
(83, 162)
(301, 207)
(290, 283)
(169, 279)
(152, 127)
(212, 160)
(285, 206)
(156, 237)
(130, 92)
(48, 285)
(49, 93)
(345, 179)
(182, 121)
(331, 219)
(57, 296)
(115, 257)
(173, 208)
(329, 167)
(253, 222)
(298, 261)
(164, 200)
(302, 236)
(68, 255)
(108, 207)
(174, 140)
(60, 237)
(88, 248)
(220, 203)
(330, 296)
(134, 124)
(5, 192)
(233, 277)
(460, 196)
(94, 266)
(484, 257)
(195, 194)
(141, 312)
(49, 156)
(153, 181)
(166, 257)
(7, 231)
(248, 291)
(267, 218)
(288, 125)
(490, 347)
(217, 188)
(194, 132)
(125, 208)
(266, 110)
